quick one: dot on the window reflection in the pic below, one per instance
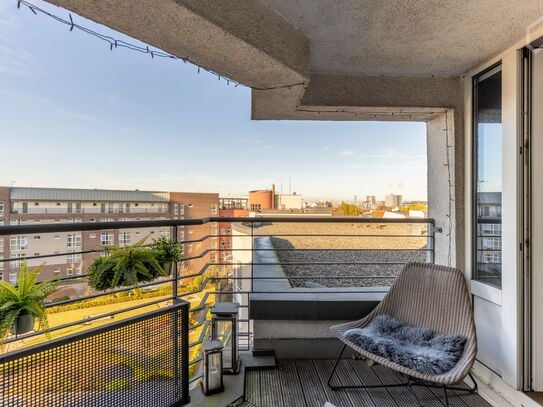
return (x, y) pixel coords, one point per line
(488, 177)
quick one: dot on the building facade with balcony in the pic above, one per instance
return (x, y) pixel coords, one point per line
(33, 206)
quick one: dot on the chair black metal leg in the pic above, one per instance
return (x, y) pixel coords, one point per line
(359, 386)
(410, 388)
(410, 383)
(446, 396)
(475, 387)
(334, 369)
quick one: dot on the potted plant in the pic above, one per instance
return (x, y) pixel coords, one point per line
(23, 304)
(124, 267)
(167, 252)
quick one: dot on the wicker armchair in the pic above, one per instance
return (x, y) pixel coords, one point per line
(430, 296)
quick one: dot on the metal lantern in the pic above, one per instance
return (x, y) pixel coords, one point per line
(212, 379)
(224, 323)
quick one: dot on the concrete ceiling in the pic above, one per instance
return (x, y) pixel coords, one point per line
(407, 37)
(330, 59)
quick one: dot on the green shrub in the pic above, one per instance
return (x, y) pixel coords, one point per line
(124, 267)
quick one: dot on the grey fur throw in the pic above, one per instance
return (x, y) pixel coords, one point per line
(416, 348)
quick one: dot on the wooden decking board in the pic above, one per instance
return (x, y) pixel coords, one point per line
(472, 400)
(290, 384)
(402, 395)
(367, 376)
(454, 399)
(348, 377)
(311, 384)
(252, 387)
(323, 368)
(269, 379)
(304, 383)
(426, 397)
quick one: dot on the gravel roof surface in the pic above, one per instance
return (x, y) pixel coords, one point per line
(359, 243)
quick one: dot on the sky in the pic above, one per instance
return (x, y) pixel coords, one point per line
(75, 114)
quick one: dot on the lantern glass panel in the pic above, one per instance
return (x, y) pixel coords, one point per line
(224, 334)
(215, 371)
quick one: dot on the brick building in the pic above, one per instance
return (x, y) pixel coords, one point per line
(55, 205)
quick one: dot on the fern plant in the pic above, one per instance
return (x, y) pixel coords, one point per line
(26, 298)
(167, 250)
(124, 267)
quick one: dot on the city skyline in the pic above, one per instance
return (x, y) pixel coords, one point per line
(153, 124)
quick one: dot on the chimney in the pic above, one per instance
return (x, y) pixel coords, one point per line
(273, 197)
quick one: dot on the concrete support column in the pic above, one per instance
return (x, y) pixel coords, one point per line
(442, 144)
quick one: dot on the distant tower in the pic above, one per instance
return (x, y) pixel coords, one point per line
(290, 185)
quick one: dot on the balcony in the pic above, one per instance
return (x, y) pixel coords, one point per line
(293, 278)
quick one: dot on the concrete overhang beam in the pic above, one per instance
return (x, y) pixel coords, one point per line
(344, 97)
(243, 40)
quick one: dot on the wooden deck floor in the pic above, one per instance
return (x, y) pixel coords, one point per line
(301, 383)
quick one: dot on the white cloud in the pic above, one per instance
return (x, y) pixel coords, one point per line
(347, 153)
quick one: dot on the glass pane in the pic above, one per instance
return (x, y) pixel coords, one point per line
(488, 177)
(214, 374)
(224, 334)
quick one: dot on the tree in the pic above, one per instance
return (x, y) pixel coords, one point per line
(349, 209)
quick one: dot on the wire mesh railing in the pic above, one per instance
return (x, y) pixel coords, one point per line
(138, 361)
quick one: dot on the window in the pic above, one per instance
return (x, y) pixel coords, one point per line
(1, 208)
(487, 176)
(213, 208)
(74, 258)
(110, 207)
(92, 236)
(56, 270)
(128, 208)
(103, 207)
(69, 271)
(124, 238)
(56, 237)
(213, 257)
(37, 237)
(16, 262)
(78, 271)
(13, 278)
(17, 243)
(106, 238)
(73, 240)
(1, 262)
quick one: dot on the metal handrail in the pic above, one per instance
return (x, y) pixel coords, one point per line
(89, 226)
(247, 221)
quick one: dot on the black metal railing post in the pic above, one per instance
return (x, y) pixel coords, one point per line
(432, 243)
(175, 271)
